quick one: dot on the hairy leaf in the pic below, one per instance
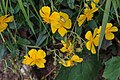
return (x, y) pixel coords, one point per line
(112, 69)
(87, 70)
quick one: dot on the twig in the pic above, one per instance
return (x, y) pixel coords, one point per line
(102, 3)
(49, 73)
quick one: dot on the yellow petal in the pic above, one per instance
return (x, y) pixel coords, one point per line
(81, 19)
(96, 40)
(109, 36)
(3, 26)
(114, 29)
(93, 5)
(3, 17)
(43, 60)
(46, 19)
(88, 45)
(53, 28)
(40, 64)
(67, 63)
(55, 24)
(96, 1)
(108, 26)
(93, 49)
(94, 9)
(54, 20)
(65, 20)
(70, 49)
(32, 53)
(55, 17)
(45, 11)
(32, 63)
(8, 19)
(64, 44)
(87, 11)
(67, 24)
(89, 17)
(62, 31)
(88, 35)
(64, 15)
(95, 32)
(99, 30)
(27, 60)
(76, 58)
(63, 49)
(41, 54)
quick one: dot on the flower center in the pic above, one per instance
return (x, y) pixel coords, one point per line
(37, 60)
(62, 19)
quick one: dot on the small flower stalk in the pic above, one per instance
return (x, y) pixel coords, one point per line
(72, 58)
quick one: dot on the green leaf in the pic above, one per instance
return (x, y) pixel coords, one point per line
(118, 3)
(14, 53)
(41, 38)
(78, 30)
(13, 49)
(112, 69)
(104, 22)
(16, 9)
(86, 70)
(25, 15)
(2, 51)
(58, 1)
(92, 24)
(68, 11)
(71, 3)
(63, 74)
(115, 6)
(22, 41)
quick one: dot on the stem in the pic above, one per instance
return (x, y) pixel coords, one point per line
(5, 42)
(11, 35)
(2, 37)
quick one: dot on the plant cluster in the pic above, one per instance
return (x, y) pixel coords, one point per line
(76, 37)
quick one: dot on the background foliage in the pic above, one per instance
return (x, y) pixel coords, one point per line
(29, 31)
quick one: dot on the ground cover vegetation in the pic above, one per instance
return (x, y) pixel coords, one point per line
(59, 40)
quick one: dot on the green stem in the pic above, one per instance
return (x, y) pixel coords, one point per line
(11, 35)
(40, 18)
(5, 42)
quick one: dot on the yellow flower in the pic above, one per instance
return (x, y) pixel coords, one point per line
(108, 31)
(93, 4)
(3, 22)
(65, 23)
(52, 19)
(67, 47)
(35, 57)
(67, 63)
(88, 13)
(76, 58)
(71, 61)
(92, 40)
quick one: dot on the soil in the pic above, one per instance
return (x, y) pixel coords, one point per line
(7, 74)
